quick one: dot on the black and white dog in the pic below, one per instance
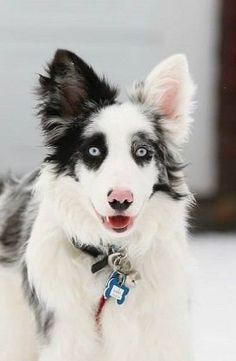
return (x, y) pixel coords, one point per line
(93, 248)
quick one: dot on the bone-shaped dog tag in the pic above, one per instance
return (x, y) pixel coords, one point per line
(116, 289)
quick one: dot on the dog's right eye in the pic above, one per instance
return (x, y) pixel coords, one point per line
(94, 151)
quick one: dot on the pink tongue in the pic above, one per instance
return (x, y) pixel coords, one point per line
(119, 221)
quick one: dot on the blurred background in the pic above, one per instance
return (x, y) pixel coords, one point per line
(125, 40)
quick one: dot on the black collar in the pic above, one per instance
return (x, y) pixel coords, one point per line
(94, 252)
(91, 250)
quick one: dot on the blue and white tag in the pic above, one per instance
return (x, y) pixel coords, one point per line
(116, 289)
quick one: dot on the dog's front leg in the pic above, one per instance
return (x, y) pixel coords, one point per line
(54, 271)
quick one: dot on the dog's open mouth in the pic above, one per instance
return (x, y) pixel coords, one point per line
(118, 223)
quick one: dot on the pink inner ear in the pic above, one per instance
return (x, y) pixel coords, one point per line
(168, 101)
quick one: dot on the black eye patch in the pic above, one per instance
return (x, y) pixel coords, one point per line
(91, 159)
(142, 148)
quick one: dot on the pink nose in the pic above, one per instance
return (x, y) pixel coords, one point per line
(120, 196)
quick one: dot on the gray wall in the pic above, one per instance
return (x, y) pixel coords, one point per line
(123, 39)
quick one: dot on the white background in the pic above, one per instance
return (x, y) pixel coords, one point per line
(123, 39)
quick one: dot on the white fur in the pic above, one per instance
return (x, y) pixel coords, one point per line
(17, 328)
(153, 323)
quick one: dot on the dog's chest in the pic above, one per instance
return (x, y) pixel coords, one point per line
(139, 303)
(131, 324)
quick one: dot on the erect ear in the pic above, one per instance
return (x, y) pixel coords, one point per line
(168, 91)
(71, 82)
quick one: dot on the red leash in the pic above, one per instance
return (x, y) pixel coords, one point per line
(101, 305)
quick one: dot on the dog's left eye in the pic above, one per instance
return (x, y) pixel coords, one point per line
(94, 151)
(141, 152)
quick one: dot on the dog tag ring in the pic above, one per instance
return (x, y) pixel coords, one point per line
(119, 262)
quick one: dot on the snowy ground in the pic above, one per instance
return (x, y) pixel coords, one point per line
(214, 297)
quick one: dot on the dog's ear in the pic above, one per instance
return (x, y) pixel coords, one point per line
(71, 82)
(70, 89)
(168, 91)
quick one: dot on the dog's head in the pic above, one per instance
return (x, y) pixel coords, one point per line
(118, 155)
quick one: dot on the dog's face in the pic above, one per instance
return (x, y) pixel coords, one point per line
(118, 169)
(120, 154)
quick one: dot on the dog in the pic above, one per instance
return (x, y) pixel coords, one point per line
(93, 245)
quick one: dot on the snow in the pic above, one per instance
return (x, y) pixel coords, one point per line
(214, 297)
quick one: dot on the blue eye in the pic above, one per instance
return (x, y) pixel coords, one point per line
(141, 152)
(94, 151)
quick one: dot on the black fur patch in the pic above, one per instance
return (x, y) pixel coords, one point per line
(69, 95)
(141, 139)
(11, 235)
(97, 140)
(16, 224)
(1, 186)
(44, 318)
(169, 179)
